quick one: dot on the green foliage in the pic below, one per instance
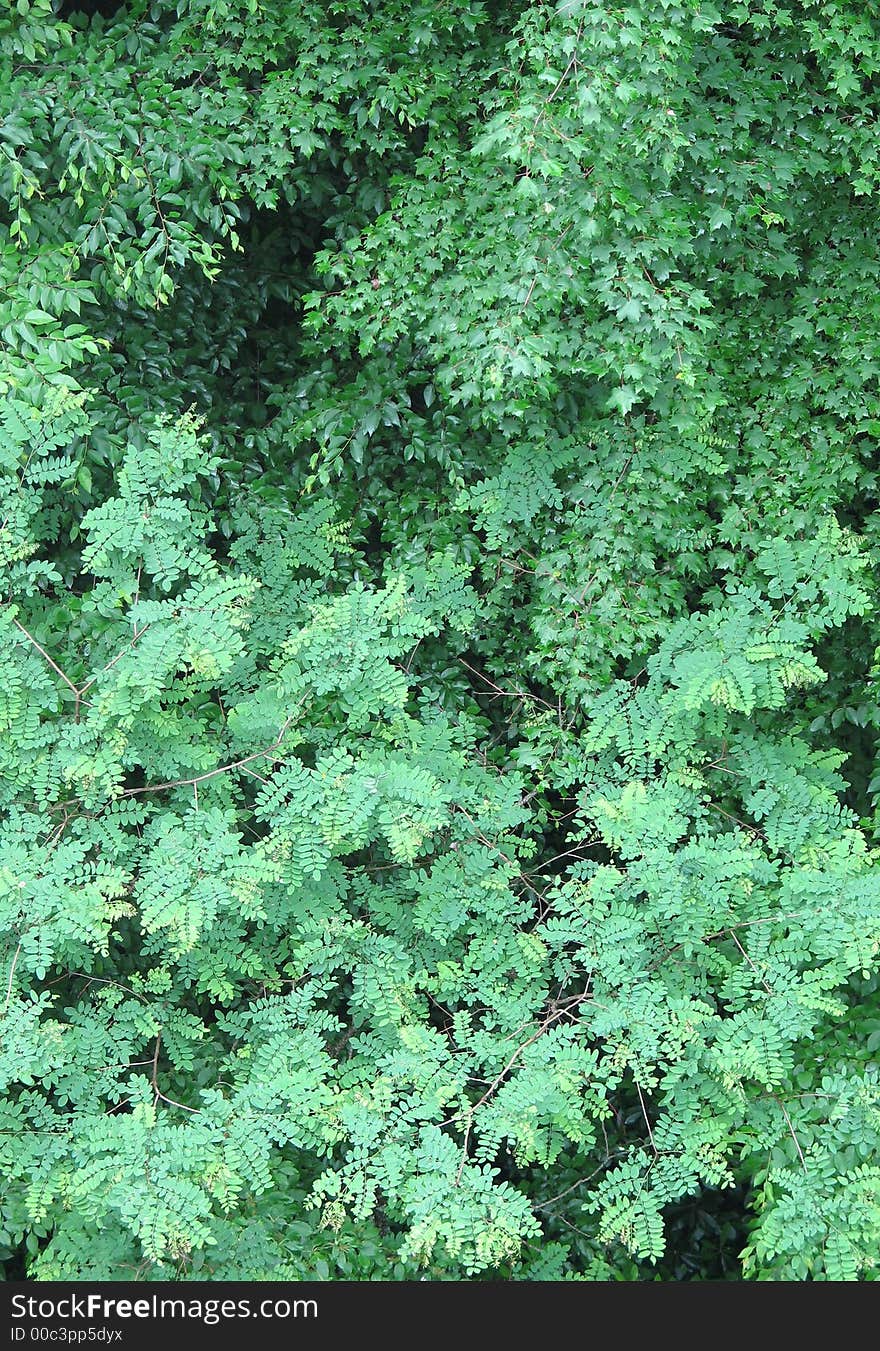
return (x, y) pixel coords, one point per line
(438, 677)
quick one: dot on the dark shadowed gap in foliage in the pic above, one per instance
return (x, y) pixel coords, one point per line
(225, 347)
(847, 655)
(15, 1266)
(275, 267)
(705, 1235)
(561, 847)
(274, 270)
(89, 9)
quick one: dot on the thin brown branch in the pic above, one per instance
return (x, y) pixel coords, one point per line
(11, 978)
(749, 960)
(645, 1115)
(43, 653)
(510, 694)
(90, 682)
(582, 1181)
(154, 1080)
(552, 1017)
(211, 773)
(800, 1152)
(464, 1152)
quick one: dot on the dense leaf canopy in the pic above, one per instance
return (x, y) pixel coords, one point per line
(438, 693)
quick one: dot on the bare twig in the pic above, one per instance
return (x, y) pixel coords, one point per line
(645, 1115)
(11, 977)
(211, 773)
(581, 1182)
(464, 1152)
(90, 682)
(782, 1106)
(510, 694)
(43, 653)
(749, 960)
(154, 1077)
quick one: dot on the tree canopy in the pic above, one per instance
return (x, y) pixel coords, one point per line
(438, 680)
